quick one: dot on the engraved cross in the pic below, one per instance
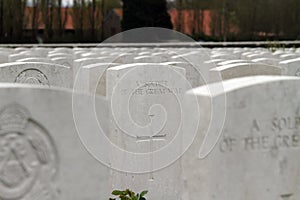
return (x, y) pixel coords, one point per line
(151, 139)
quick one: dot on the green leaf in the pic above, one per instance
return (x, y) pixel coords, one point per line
(129, 192)
(117, 192)
(128, 195)
(144, 193)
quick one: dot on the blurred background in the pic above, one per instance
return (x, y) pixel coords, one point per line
(63, 21)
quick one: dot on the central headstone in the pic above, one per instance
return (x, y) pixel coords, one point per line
(145, 102)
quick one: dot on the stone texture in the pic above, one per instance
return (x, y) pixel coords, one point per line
(36, 73)
(255, 156)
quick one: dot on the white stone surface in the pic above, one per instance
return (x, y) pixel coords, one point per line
(91, 78)
(145, 117)
(256, 155)
(36, 73)
(237, 70)
(268, 61)
(41, 155)
(291, 67)
(34, 59)
(65, 61)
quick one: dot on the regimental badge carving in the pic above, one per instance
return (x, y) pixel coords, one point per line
(28, 157)
(297, 72)
(32, 76)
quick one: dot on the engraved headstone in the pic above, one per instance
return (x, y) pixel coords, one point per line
(41, 155)
(256, 155)
(145, 117)
(36, 73)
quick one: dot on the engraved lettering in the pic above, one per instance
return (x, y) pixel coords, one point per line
(259, 143)
(255, 127)
(227, 144)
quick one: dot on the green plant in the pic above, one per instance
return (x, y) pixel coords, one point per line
(128, 195)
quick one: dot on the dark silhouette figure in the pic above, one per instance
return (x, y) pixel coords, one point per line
(145, 13)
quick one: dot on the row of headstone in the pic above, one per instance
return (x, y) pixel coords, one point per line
(205, 61)
(203, 124)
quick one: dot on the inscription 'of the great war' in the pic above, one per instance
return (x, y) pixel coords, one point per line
(152, 88)
(281, 133)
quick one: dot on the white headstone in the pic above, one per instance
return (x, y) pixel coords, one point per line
(145, 117)
(256, 155)
(36, 73)
(291, 67)
(243, 69)
(41, 155)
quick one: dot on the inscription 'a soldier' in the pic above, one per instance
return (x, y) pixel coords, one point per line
(28, 160)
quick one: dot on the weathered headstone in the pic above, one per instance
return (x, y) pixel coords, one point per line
(36, 73)
(192, 73)
(92, 78)
(268, 61)
(41, 155)
(291, 67)
(237, 70)
(256, 155)
(145, 117)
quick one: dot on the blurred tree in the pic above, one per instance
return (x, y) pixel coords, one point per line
(1, 19)
(50, 19)
(93, 14)
(12, 18)
(180, 21)
(35, 18)
(145, 13)
(60, 25)
(79, 17)
(229, 19)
